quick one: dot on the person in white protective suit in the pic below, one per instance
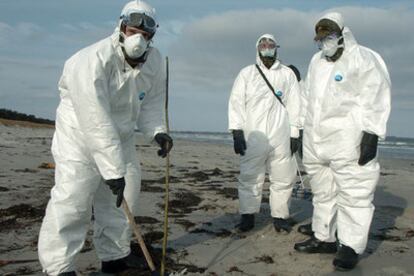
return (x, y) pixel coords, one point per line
(264, 121)
(348, 104)
(106, 90)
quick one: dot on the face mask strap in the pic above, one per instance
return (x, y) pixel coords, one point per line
(339, 41)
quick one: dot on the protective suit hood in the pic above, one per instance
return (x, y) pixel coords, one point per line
(258, 60)
(350, 42)
(138, 6)
(335, 17)
(349, 39)
(132, 6)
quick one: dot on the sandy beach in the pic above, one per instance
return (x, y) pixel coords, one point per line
(203, 213)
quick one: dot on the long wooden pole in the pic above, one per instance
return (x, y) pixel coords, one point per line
(167, 177)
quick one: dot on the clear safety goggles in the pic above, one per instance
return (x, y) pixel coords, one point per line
(266, 44)
(140, 20)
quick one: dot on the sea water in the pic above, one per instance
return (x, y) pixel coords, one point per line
(392, 147)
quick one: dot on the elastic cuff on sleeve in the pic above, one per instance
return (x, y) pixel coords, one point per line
(149, 136)
(294, 132)
(107, 175)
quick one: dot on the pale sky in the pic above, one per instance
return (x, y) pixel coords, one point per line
(207, 42)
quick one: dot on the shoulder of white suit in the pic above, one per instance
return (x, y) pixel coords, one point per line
(284, 68)
(317, 56)
(367, 53)
(154, 62)
(154, 55)
(361, 56)
(101, 50)
(247, 70)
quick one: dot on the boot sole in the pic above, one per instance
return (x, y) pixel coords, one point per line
(244, 230)
(307, 233)
(340, 268)
(315, 251)
(283, 231)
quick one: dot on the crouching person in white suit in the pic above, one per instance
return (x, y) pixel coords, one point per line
(106, 90)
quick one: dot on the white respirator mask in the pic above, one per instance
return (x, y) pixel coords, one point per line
(329, 45)
(268, 52)
(134, 45)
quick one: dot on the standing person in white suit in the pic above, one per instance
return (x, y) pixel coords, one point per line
(106, 90)
(348, 95)
(264, 119)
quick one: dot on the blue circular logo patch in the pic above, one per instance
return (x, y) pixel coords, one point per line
(141, 96)
(338, 77)
(279, 93)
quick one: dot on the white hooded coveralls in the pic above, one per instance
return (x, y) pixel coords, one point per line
(267, 127)
(345, 98)
(102, 100)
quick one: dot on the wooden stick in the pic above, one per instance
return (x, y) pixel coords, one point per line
(138, 235)
(167, 178)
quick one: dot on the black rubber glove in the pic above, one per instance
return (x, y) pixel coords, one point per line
(165, 142)
(294, 145)
(369, 144)
(117, 186)
(239, 142)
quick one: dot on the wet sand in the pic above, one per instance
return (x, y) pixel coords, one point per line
(203, 213)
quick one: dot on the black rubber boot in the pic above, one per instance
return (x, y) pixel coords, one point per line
(246, 223)
(306, 229)
(130, 261)
(281, 225)
(70, 273)
(114, 266)
(134, 261)
(346, 258)
(313, 245)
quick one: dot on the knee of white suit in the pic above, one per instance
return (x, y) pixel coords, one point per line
(132, 176)
(247, 179)
(356, 184)
(111, 231)
(250, 193)
(282, 173)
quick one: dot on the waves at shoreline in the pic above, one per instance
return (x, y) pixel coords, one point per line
(392, 147)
